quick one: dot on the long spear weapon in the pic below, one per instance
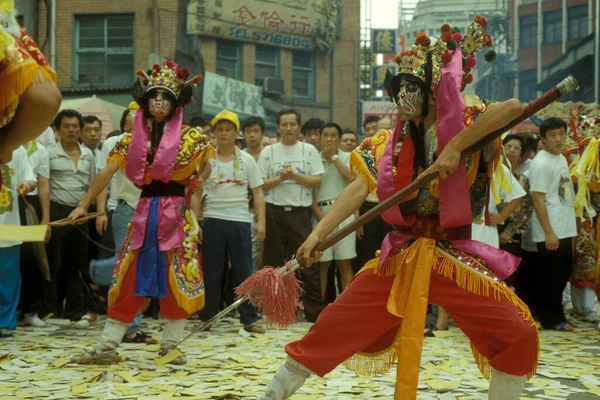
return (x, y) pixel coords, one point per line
(275, 292)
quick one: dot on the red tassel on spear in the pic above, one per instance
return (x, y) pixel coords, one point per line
(276, 292)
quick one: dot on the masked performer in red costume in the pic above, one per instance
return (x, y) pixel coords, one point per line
(160, 257)
(429, 256)
(29, 98)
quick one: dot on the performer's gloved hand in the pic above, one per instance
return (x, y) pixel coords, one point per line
(307, 247)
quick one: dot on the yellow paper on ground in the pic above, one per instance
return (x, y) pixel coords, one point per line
(60, 362)
(79, 389)
(31, 233)
(170, 356)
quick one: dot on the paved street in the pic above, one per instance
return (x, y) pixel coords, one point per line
(226, 364)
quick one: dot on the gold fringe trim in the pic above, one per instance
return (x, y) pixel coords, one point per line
(359, 168)
(477, 283)
(369, 364)
(113, 293)
(15, 80)
(466, 278)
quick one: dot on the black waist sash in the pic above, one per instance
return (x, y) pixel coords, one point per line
(161, 189)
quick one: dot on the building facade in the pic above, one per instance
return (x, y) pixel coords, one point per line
(99, 45)
(550, 39)
(490, 80)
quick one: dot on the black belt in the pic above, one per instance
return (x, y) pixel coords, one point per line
(288, 208)
(325, 203)
(161, 189)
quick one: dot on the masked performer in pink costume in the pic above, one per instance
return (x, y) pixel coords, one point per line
(160, 258)
(428, 257)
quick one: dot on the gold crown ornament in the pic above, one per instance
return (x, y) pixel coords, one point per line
(413, 62)
(588, 127)
(168, 77)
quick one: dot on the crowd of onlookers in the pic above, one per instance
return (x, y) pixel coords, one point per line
(301, 172)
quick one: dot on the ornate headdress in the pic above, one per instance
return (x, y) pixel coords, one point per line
(173, 80)
(414, 61)
(168, 77)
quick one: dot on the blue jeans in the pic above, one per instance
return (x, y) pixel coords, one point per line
(221, 238)
(10, 285)
(121, 218)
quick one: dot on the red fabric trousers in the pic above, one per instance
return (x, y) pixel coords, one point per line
(128, 304)
(358, 321)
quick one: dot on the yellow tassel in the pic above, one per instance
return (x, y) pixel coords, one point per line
(497, 174)
(359, 168)
(15, 80)
(369, 364)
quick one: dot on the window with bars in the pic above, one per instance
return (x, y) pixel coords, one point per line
(229, 59)
(267, 63)
(527, 85)
(303, 75)
(553, 27)
(104, 50)
(528, 31)
(577, 22)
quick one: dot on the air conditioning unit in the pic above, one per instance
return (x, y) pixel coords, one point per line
(274, 85)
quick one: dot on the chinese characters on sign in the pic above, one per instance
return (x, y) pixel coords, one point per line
(241, 97)
(378, 75)
(292, 24)
(383, 41)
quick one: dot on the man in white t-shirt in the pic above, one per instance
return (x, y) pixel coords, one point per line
(17, 177)
(511, 198)
(553, 223)
(291, 170)
(226, 229)
(336, 164)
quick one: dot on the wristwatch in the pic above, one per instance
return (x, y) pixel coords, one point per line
(334, 157)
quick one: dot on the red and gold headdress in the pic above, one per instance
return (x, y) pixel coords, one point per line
(168, 77)
(413, 61)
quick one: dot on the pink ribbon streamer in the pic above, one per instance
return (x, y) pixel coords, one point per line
(455, 204)
(166, 155)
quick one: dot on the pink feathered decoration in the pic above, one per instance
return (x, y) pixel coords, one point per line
(275, 294)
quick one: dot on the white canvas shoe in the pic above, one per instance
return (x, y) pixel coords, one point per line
(32, 319)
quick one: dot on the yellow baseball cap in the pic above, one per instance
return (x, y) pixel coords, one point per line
(133, 105)
(227, 115)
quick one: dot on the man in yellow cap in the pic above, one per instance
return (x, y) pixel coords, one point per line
(227, 220)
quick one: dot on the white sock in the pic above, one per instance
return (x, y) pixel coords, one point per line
(172, 333)
(506, 387)
(112, 335)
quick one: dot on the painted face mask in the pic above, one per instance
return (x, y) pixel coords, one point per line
(409, 99)
(159, 104)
